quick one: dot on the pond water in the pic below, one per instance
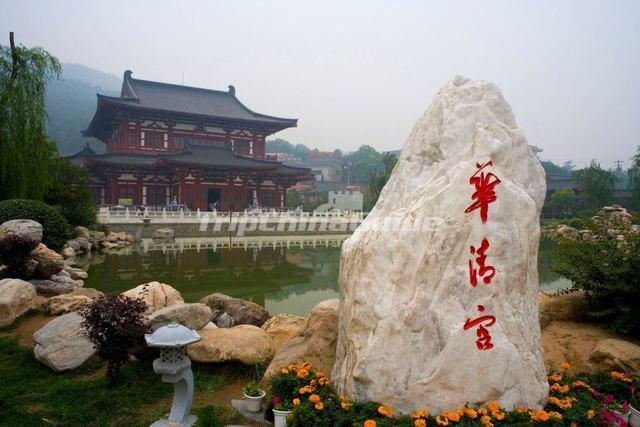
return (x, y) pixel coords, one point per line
(283, 274)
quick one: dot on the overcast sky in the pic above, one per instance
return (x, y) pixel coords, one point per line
(362, 72)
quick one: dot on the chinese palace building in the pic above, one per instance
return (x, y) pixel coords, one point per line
(168, 144)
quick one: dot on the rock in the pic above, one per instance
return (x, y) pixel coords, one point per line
(50, 288)
(210, 325)
(68, 252)
(614, 354)
(244, 343)
(571, 306)
(82, 232)
(49, 261)
(95, 238)
(193, 316)
(224, 321)
(283, 326)
(67, 303)
(119, 236)
(76, 273)
(22, 227)
(404, 280)
(157, 295)
(315, 342)
(16, 298)
(88, 292)
(164, 234)
(62, 345)
(80, 245)
(242, 312)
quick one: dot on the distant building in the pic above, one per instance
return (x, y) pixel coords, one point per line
(171, 144)
(343, 200)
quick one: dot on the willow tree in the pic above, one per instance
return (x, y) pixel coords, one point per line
(25, 152)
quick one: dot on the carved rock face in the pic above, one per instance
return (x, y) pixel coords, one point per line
(406, 292)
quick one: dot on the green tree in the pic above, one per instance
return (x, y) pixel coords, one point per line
(25, 151)
(69, 192)
(363, 163)
(634, 180)
(563, 200)
(597, 184)
(379, 179)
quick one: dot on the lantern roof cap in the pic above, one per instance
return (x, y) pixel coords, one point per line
(172, 335)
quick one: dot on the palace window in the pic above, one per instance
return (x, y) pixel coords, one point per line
(154, 140)
(156, 196)
(241, 147)
(132, 139)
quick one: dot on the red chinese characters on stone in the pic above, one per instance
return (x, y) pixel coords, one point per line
(483, 322)
(485, 271)
(484, 194)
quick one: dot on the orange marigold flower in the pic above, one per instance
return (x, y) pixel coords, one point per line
(319, 406)
(306, 389)
(471, 413)
(296, 401)
(385, 411)
(323, 381)
(540, 415)
(314, 398)
(498, 415)
(303, 373)
(320, 375)
(307, 365)
(369, 423)
(420, 423)
(493, 406)
(590, 414)
(452, 416)
(442, 421)
(555, 377)
(292, 368)
(284, 371)
(555, 414)
(557, 388)
(565, 366)
(521, 409)
(579, 384)
(313, 383)
(620, 376)
(420, 413)
(485, 420)
(345, 405)
(483, 411)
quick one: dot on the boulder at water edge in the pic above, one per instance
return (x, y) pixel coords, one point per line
(415, 330)
(244, 343)
(156, 295)
(240, 312)
(62, 345)
(193, 316)
(16, 298)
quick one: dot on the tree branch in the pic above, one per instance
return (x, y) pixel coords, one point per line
(14, 57)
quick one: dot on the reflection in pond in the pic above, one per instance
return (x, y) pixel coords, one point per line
(284, 274)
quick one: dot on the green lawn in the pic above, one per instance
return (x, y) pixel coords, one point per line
(32, 395)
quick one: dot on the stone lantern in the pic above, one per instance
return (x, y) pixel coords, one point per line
(175, 367)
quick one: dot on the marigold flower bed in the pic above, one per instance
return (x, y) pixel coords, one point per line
(580, 400)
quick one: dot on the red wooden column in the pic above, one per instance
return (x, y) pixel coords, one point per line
(197, 189)
(112, 188)
(181, 188)
(138, 200)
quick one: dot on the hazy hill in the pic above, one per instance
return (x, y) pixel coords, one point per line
(71, 103)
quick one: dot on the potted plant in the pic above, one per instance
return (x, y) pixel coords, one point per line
(614, 413)
(254, 396)
(281, 410)
(634, 408)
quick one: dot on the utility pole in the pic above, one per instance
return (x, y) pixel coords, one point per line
(618, 164)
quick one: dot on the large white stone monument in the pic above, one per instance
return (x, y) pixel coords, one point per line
(439, 285)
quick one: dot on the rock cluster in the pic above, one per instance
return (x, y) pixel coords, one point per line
(615, 219)
(87, 241)
(228, 311)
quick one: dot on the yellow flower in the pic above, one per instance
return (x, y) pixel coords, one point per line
(303, 373)
(442, 421)
(493, 406)
(483, 411)
(385, 411)
(420, 423)
(296, 401)
(284, 371)
(590, 414)
(471, 413)
(620, 376)
(540, 415)
(452, 416)
(345, 405)
(307, 365)
(319, 406)
(370, 423)
(565, 366)
(314, 398)
(420, 413)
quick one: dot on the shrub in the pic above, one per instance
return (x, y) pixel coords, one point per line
(15, 251)
(55, 228)
(79, 215)
(115, 325)
(605, 263)
(251, 389)
(577, 223)
(69, 192)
